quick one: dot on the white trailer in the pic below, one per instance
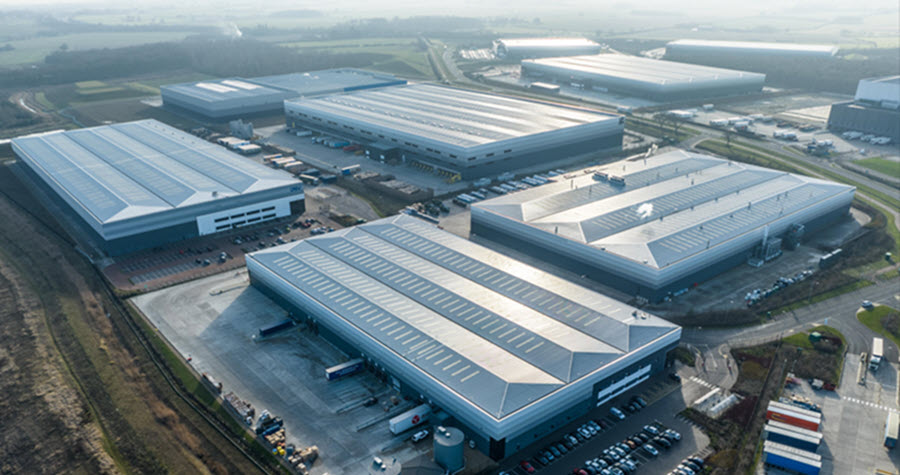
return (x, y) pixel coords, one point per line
(410, 419)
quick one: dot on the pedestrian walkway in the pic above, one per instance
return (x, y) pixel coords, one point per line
(702, 382)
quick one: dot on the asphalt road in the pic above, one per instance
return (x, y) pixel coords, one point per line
(838, 312)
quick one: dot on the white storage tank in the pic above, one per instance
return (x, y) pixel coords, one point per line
(448, 448)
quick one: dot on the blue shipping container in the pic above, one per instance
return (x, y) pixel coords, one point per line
(791, 464)
(787, 440)
(344, 369)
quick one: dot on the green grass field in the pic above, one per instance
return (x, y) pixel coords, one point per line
(874, 319)
(404, 56)
(35, 49)
(881, 165)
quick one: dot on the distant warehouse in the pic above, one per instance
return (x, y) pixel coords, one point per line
(238, 97)
(455, 130)
(875, 110)
(544, 47)
(747, 49)
(141, 184)
(644, 77)
(510, 352)
(653, 227)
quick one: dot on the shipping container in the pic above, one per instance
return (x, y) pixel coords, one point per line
(410, 419)
(793, 415)
(784, 435)
(790, 462)
(344, 369)
(275, 328)
(347, 171)
(327, 179)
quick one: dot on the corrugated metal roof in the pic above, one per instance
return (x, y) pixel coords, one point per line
(643, 70)
(546, 42)
(498, 332)
(673, 205)
(757, 46)
(283, 85)
(454, 116)
(132, 169)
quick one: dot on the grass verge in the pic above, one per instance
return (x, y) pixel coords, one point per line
(880, 165)
(883, 320)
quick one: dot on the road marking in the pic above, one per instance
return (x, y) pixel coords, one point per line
(702, 382)
(870, 404)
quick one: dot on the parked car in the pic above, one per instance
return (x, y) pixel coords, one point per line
(640, 401)
(672, 434)
(651, 430)
(616, 413)
(650, 449)
(419, 436)
(526, 466)
(662, 442)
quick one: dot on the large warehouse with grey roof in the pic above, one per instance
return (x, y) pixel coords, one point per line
(221, 99)
(655, 226)
(506, 349)
(459, 131)
(141, 184)
(645, 77)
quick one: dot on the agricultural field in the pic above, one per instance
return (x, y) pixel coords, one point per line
(34, 50)
(400, 56)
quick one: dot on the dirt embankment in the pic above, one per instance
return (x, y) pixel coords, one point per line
(78, 393)
(47, 426)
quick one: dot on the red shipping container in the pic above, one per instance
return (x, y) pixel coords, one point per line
(798, 420)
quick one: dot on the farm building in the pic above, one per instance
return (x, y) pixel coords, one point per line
(655, 226)
(644, 77)
(507, 350)
(749, 49)
(544, 47)
(875, 109)
(455, 130)
(142, 184)
(221, 99)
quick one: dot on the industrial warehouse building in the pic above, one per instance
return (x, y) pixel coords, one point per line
(221, 99)
(656, 226)
(644, 77)
(544, 47)
(510, 352)
(141, 184)
(875, 109)
(748, 49)
(455, 130)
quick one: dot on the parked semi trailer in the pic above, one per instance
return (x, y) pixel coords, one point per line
(789, 458)
(344, 369)
(410, 419)
(793, 415)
